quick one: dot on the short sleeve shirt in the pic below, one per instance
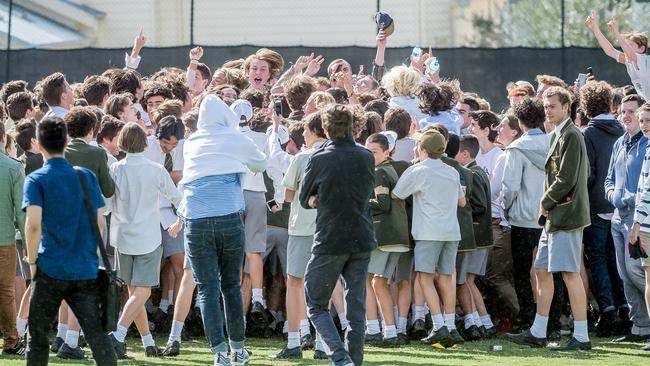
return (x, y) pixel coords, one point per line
(436, 189)
(640, 74)
(68, 249)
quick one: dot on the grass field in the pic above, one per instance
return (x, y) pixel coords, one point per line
(475, 353)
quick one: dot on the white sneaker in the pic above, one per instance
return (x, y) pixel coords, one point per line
(220, 360)
(240, 358)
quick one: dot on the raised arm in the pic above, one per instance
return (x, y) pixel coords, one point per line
(630, 55)
(378, 65)
(592, 24)
(133, 61)
(195, 55)
(294, 69)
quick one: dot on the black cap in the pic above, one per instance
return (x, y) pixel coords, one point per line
(385, 22)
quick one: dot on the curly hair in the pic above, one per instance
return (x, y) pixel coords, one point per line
(401, 81)
(399, 120)
(80, 121)
(487, 119)
(297, 90)
(155, 88)
(596, 98)
(432, 101)
(530, 113)
(338, 120)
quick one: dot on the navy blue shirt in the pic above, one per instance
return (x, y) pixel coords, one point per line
(68, 250)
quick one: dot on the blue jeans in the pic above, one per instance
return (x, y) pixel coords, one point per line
(323, 270)
(601, 258)
(631, 273)
(215, 248)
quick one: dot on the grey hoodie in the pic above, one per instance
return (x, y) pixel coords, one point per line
(523, 178)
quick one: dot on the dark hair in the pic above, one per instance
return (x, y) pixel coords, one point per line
(95, 88)
(487, 119)
(25, 132)
(170, 126)
(378, 105)
(338, 120)
(170, 107)
(257, 98)
(295, 134)
(132, 138)
(596, 98)
(125, 81)
(530, 113)
(339, 94)
(629, 90)
(297, 90)
(53, 86)
(116, 103)
(432, 100)
(314, 123)
(52, 134)
(471, 102)
(373, 125)
(109, 128)
(438, 127)
(155, 88)
(12, 87)
(469, 143)
(633, 98)
(18, 104)
(380, 139)
(204, 70)
(399, 120)
(453, 145)
(190, 120)
(80, 121)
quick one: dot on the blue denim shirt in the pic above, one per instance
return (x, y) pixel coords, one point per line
(624, 170)
(68, 249)
(212, 196)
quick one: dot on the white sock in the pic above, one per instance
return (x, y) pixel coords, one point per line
(285, 327)
(344, 320)
(120, 333)
(372, 326)
(147, 341)
(390, 331)
(401, 325)
(293, 339)
(72, 338)
(477, 319)
(177, 329)
(164, 305)
(318, 344)
(61, 330)
(419, 313)
(257, 295)
(304, 328)
(539, 326)
(487, 321)
(21, 326)
(395, 312)
(469, 320)
(450, 321)
(170, 296)
(580, 330)
(438, 321)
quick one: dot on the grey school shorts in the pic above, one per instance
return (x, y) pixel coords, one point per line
(474, 262)
(172, 246)
(276, 244)
(432, 256)
(559, 251)
(383, 264)
(298, 254)
(255, 222)
(140, 270)
(404, 267)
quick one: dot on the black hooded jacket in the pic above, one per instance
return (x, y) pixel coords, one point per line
(600, 135)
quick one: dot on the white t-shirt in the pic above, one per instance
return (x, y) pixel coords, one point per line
(436, 189)
(404, 149)
(640, 74)
(255, 181)
(488, 161)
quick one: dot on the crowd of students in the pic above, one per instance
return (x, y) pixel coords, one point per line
(379, 209)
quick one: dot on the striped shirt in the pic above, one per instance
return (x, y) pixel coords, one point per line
(643, 195)
(212, 196)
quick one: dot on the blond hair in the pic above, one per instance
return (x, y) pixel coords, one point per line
(322, 99)
(274, 59)
(401, 81)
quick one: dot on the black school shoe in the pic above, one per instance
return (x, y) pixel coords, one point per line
(152, 351)
(172, 349)
(489, 333)
(418, 329)
(320, 355)
(631, 338)
(573, 345)
(373, 339)
(456, 337)
(403, 338)
(288, 354)
(17, 350)
(472, 334)
(56, 344)
(306, 342)
(390, 343)
(120, 349)
(67, 353)
(441, 336)
(527, 339)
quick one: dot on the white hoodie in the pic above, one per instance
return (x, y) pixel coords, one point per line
(217, 147)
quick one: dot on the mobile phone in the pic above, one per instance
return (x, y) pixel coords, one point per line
(590, 71)
(582, 79)
(270, 204)
(277, 104)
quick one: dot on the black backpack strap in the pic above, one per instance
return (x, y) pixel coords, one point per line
(93, 223)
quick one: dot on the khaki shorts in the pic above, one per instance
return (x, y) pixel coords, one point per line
(645, 241)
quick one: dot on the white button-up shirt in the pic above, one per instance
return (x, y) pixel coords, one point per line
(135, 223)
